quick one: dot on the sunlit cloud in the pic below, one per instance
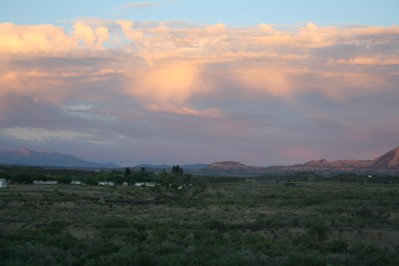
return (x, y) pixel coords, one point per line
(36, 40)
(93, 38)
(262, 58)
(129, 31)
(168, 84)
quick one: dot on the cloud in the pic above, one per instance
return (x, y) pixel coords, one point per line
(216, 29)
(273, 81)
(186, 111)
(49, 40)
(41, 134)
(242, 89)
(93, 38)
(376, 60)
(129, 31)
(167, 84)
(55, 85)
(37, 40)
(178, 60)
(185, 62)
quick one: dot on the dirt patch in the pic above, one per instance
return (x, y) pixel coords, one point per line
(65, 204)
(393, 216)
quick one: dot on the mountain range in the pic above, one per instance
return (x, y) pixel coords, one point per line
(386, 164)
(51, 159)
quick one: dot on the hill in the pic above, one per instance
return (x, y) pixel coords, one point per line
(387, 164)
(389, 160)
(230, 165)
(228, 168)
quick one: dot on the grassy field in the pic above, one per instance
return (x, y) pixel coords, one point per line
(242, 222)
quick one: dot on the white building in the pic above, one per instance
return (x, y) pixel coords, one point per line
(41, 182)
(145, 184)
(106, 183)
(3, 183)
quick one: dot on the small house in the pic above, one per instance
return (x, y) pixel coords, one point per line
(106, 183)
(3, 183)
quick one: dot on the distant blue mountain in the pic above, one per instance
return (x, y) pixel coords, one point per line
(195, 166)
(34, 158)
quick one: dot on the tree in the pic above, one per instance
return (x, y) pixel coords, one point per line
(177, 170)
(90, 180)
(127, 172)
(23, 178)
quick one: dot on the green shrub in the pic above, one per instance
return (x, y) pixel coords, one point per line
(337, 246)
(318, 229)
(115, 222)
(218, 225)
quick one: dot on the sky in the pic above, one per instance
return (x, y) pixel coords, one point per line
(177, 82)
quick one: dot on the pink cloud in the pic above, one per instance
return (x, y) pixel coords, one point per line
(249, 91)
(33, 83)
(187, 111)
(273, 81)
(167, 84)
(376, 60)
(176, 62)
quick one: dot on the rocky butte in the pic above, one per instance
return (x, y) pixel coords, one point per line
(387, 164)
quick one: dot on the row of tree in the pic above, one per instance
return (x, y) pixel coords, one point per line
(175, 177)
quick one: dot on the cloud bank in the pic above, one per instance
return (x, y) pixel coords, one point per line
(179, 92)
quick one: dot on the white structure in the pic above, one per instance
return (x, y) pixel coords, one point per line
(41, 182)
(106, 183)
(145, 184)
(76, 182)
(3, 183)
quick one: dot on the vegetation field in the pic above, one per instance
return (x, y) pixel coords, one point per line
(232, 222)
